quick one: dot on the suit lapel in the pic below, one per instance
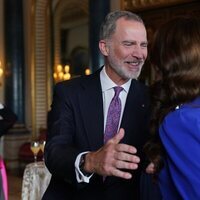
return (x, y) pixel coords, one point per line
(91, 108)
(133, 108)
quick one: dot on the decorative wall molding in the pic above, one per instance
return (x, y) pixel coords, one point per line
(140, 5)
(42, 63)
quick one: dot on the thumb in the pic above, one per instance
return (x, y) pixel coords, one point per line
(118, 137)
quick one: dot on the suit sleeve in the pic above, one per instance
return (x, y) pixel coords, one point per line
(60, 151)
(180, 135)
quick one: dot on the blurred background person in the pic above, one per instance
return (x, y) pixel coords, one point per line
(7, 120)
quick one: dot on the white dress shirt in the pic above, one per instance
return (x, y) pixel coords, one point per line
(107, 93)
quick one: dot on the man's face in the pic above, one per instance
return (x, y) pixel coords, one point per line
(126, 50)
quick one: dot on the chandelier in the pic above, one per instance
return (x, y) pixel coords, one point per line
(62, 73)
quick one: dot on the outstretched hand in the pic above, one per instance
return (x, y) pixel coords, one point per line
(112, 158)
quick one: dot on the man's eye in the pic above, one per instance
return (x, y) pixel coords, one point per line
(127, 43)
(144, 45)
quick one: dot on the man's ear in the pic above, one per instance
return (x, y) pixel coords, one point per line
(103, 47)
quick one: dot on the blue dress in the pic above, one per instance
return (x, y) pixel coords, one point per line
(180, 135)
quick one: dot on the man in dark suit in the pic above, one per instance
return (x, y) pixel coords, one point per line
(83, 166)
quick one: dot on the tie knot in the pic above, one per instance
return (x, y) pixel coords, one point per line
(117, 89)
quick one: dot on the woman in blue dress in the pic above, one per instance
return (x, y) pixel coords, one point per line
(175, 125)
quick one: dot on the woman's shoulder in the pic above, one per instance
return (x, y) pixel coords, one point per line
(184, 118)
(187, 110)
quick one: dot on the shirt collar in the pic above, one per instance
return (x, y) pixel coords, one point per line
(107, 83)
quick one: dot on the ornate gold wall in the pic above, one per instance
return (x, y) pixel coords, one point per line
(139, 5)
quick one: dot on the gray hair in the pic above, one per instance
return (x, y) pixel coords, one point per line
(109, 25)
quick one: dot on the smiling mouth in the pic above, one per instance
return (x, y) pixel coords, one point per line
(135, 63)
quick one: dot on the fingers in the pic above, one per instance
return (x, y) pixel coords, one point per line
(114, 157)
(118, 137)
(150, 168)
(124, 154)
(121, 174)
(126, 165)
(126, 148)
(125, 161)
(127, 157)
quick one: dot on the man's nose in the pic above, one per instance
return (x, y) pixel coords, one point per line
(138, 52)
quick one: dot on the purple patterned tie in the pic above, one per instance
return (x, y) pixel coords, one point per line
(113, 115)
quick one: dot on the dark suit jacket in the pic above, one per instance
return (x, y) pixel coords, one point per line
(75, 124)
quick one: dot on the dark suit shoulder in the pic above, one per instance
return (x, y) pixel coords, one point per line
(82, 81)
(141, 87)
(141, 84)
(69, 83)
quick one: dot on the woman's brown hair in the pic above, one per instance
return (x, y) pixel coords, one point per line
(175, 54)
